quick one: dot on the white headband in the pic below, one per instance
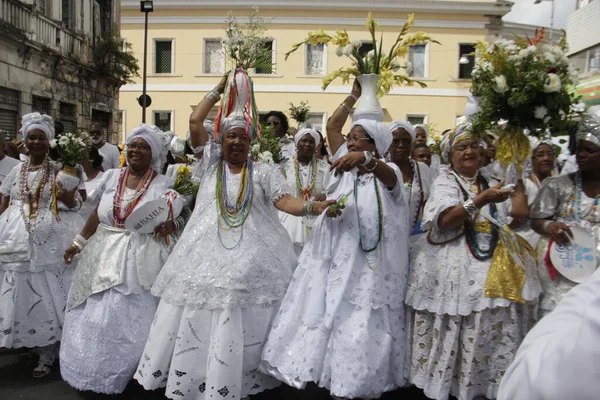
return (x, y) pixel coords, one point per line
(404, 125)
(149, 134)
(307, 131)
(35, 120)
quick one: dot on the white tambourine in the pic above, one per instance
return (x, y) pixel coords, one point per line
(578, 261)
(147, 217)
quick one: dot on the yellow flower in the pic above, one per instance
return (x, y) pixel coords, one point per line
(402, 51)
(341, 39)
(316, 37)
(371, 23)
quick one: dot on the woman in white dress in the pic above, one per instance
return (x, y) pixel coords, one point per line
(542, 164)
(462, 341)
(565, 201)
(110, 306)
(224, 281)
(308, 176)
(341, 323)
(37, 223)
(92, 167)
(415, 175)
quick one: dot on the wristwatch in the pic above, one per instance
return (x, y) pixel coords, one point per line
(368, 158)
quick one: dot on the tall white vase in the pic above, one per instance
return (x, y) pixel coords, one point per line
(241, 93)
(368, 105)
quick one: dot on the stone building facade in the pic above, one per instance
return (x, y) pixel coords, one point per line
(46, 64)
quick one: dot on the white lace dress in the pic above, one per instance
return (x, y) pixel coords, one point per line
(556, 200)
(461, 342)
(217, 304)
(107, 326)
(342, 322)
(34, 280)
(299, 227)
(93, 196)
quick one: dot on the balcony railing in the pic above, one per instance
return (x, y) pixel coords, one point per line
(40, 29)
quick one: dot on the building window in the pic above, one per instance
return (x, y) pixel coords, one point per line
(213, 57)
(315, 59)
(41, 105)
(163, 56)
(163, 120)
(68, 116)
(44, 6)
(365, 48)
(594, 60)
(68, 13)
(416, 119)
(315, 121)
(267, 69)
(467, 51)
(416, 58)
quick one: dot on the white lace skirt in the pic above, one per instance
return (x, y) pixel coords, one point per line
(360, 355)
(466, 356)
(207, 354)
(32, 306)
(104, 339)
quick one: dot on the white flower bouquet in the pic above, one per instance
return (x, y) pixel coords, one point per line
(523, 83)
(266, 148)
(71, 148)
(300, 112)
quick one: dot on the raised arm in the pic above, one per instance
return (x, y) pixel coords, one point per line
(338, 119)
(198, 134)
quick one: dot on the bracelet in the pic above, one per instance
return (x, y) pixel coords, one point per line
(346, 108)
(371, 169)
(546, 225)
(470, 208)
(81, 240)
(368, 158)
(353, 96)
(179, 223)
(78, 246)
(213, 95)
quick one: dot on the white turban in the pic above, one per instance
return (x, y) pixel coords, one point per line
(35, 120)
(424, 127)
(461, 132)
(379, 132)
(233, 122)
(307, 131)
(404, 125)
(166, 138)
(151, 136)
(589, 127)
(535, 142)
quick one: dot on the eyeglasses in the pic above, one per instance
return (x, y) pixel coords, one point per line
(351, 139)
(134, 146)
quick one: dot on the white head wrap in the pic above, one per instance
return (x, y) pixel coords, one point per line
(232, 122)
(425, 128)
(35, 120)
(151, 136)
(461, 132)
(589, 127)
(307, 131)
(166, 138)
(379, 132)
(404, 125)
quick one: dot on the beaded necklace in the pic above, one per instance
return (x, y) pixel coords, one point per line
(37, 201)
(306, 192)
(379, 217)
(234, 215)
(574, 209)
(122, 211)
(471, 235)
(420, 204)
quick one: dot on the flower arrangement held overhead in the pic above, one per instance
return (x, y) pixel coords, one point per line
(300, 113)
(244, 43)
(376, 61)
(521, 84)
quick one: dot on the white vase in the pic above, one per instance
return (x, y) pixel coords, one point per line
(368, 105)
(68, 178)
(241, 93)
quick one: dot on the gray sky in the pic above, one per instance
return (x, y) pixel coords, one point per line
(526, 12)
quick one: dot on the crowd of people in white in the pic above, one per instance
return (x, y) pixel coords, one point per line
(363, 268)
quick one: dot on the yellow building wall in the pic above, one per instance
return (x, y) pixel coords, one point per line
(441, 102)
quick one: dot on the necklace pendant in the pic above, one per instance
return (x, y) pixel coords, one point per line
(474, 188)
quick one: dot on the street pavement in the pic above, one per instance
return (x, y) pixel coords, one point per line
(16, 383)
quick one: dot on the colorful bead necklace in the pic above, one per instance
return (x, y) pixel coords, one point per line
(306, 192)
(122, 211)
(234, 215)
(574, 209)
(37, 200)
